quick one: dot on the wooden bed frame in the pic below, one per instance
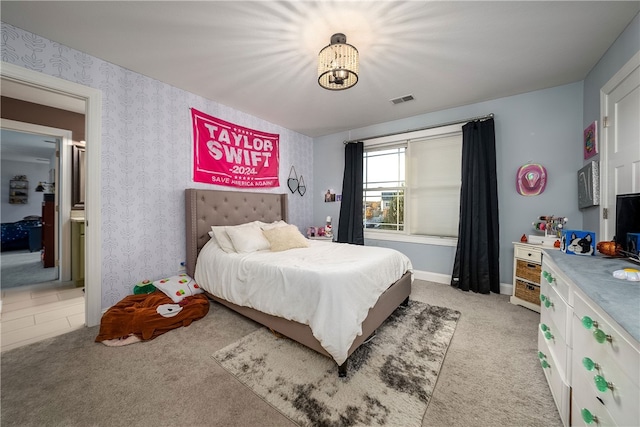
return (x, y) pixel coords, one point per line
(205, 208)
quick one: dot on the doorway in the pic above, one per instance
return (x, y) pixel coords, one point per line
(31, 80)
(33, 152)
(620, 150)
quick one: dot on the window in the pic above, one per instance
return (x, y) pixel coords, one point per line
(412, 183)
(384, 172)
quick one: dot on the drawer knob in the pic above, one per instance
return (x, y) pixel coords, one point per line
(589, 323)
(589, 364)
(547, 332)
(543, 360)
(548, 276)
(601, 337)
(588, 417)
(546, 301)
(602, 384)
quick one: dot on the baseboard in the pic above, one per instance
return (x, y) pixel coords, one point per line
(506, 288)
(445, 279)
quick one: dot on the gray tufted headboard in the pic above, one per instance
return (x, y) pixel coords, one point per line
(205, 208)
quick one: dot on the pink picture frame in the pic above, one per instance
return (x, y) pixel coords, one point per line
(590, 141)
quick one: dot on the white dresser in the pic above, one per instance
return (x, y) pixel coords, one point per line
(554, 334)
(588, 340)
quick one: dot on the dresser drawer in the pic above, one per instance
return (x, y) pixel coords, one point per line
(557, 347)
(553, 307)
(555, 379)
(614, 347)
(528, 270)
(556, 280)
(528, 254)
(582, 402)
(622, 402)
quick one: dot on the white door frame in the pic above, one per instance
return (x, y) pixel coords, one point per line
(63, 186)
(93, 217)
(622, 74)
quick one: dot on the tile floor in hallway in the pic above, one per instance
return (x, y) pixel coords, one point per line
(32, 313)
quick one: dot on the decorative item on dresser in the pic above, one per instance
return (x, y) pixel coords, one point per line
(588, 340)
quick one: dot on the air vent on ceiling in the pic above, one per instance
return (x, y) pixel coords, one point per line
(402, 99)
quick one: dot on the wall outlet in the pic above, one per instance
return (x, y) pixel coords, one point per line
(183, 266)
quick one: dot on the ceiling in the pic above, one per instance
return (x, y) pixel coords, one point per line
(260, 57)
(26, 147)
(33, 147)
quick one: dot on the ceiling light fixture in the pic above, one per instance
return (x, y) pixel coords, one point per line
(338, 64)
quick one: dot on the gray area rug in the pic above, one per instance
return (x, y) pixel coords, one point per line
(20, 268)
(389, 381)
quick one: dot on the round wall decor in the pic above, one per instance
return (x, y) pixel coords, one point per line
(531, 179)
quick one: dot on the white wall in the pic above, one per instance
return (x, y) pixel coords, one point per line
(35, 173)
(146, 159)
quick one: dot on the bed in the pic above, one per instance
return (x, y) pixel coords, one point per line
(16, 235)
(206, 208)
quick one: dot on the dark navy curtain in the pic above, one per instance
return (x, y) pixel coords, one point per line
(350, 227)
(476, 266)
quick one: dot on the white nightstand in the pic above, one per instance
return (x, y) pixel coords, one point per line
(324, 238)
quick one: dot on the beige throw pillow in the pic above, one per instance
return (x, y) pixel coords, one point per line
(284, 238)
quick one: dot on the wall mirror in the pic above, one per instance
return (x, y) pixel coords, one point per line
(78, 170)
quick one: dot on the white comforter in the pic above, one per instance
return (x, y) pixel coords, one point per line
(328, 286)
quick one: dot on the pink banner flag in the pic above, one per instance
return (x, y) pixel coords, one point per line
(231, 155)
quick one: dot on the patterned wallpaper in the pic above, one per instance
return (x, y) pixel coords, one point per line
(146, 159)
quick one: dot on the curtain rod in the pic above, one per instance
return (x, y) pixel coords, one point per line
(473, 119)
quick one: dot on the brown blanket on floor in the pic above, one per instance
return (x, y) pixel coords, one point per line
(150, 315)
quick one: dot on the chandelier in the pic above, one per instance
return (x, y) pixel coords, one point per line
(338, 64)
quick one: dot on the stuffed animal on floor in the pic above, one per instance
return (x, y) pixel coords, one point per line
(146, 316)
(144, 287)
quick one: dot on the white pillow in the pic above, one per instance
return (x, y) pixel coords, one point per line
(285, 238)
(178, 287)
(221, 236)
(274, 224)
(247, 238)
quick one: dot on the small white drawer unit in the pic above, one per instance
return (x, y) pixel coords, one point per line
(526, 275)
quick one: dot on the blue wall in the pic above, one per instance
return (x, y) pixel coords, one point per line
(541, 127)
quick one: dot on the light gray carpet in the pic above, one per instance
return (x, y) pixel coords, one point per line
(389, 381)
(490, 377)
(22, 267)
